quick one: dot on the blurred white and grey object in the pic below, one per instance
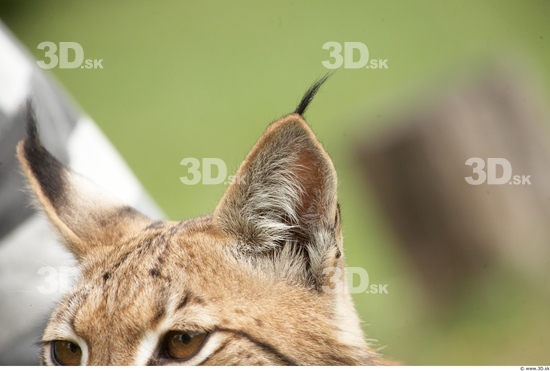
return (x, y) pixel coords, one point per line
(32, 262)
(452, 232)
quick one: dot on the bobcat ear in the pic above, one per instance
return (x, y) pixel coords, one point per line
(284, 191)
(84, 215)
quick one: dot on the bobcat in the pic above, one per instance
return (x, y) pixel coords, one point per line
(249, 285)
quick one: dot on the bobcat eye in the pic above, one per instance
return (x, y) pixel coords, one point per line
(65, 353)
(182, 345)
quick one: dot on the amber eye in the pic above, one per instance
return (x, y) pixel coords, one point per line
(65, 353)
(183, 345)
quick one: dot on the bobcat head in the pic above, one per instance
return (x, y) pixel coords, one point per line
(245, 286)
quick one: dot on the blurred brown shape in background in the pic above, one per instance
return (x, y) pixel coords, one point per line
(449, 230)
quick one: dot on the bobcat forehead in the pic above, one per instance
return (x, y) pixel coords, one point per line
(245, 286)
(162, 251)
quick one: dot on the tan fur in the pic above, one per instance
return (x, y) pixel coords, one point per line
(251, 275)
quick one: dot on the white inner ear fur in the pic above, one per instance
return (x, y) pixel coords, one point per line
(88, 196)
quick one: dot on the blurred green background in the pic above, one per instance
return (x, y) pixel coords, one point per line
(204, 79)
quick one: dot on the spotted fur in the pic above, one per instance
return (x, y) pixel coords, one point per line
(251, 275)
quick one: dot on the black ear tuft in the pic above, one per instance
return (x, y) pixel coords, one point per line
(310, 94)
(45, 167)
(85, 215)
(32, 131)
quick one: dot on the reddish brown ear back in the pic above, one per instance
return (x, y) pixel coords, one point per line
(83, 214)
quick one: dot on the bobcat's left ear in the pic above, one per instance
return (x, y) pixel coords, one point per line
(282, 205)
(284, 190)
(86, 216)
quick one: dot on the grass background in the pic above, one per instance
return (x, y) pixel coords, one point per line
(204, 78)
